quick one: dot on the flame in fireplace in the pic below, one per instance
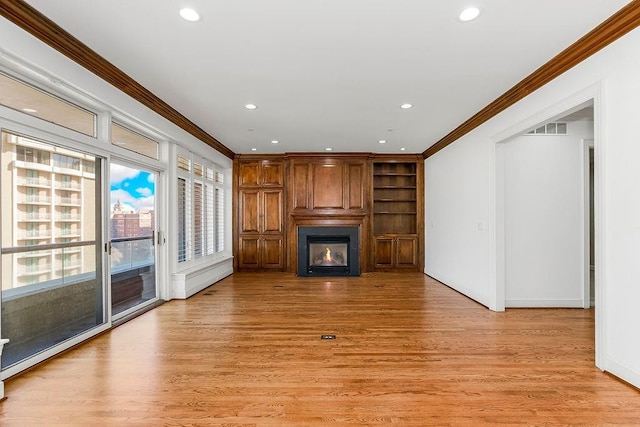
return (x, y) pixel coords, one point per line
(327, 255)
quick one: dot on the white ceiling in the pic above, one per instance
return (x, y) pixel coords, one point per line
(328, 73)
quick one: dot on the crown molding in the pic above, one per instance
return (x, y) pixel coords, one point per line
(47, 31)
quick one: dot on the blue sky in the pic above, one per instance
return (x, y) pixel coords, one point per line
(134, 189)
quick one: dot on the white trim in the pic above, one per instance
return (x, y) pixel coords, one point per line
(544, 303)
(191, 281)
(621, 370)
(497, 286)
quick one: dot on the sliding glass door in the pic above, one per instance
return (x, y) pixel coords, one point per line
(133, 238)
(52, 276)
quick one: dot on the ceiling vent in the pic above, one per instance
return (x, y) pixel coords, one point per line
(555, 128)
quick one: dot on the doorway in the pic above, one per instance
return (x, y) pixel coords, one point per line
(132, 233)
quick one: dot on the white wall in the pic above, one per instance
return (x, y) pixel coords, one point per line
(544, 230)
(461, 191)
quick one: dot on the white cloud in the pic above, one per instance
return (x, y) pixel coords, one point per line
(119, 173)
(144, 191)
(151, 178)
(131, 203)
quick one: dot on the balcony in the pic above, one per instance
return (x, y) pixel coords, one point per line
(69, 201)
(69, 217)
(34, 182)
(68, 233)
(35, 234)
(30, 270)
(36, 200)
(36, 217)
(69, 185)
(34, 254)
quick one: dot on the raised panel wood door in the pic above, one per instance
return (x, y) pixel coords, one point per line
(406, 252)
(383, 252)
(249, 174)
(272, 174)
(249, 211)
(249, 252)
(271, 211)
(272, 251)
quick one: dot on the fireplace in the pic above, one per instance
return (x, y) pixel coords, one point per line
(328, 251)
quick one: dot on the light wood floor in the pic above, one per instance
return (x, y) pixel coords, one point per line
(409, 351)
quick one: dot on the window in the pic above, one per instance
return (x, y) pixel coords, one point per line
(133, 141)
(67, 162)
(27, 99)
(201, 225)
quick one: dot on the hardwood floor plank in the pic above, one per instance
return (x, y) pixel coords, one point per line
(408, 351)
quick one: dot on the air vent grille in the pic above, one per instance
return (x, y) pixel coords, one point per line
(555, 128)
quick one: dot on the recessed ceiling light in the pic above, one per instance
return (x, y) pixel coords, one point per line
(406, 106)
(382, 141)
(469, 14)
(254, 149)
(402, 149)
(328, 149)
(121, 143)
(251, 106)
(274, 141)
(189, 14)
(29, 110)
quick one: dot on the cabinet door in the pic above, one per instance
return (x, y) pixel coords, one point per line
(271, 212)
(249, 211)
(406, 252)
(249, 252)
(272, 174)
(249, 174)
(383, 252)
(272, 249)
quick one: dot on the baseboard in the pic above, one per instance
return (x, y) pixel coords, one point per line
(625, 373)
(187, 283)
(544, 303)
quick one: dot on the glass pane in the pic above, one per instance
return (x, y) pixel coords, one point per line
(132, 224)
(133, 141)
(22, 97)
(51, 281)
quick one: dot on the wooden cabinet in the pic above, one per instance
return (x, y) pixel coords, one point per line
(260, 215)
(396, 252)
(397, 214)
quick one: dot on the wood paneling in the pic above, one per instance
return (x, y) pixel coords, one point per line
(408, 352)
(328, 186)
(300, 186)
(260, 224)
(272, 211)
(41, 27)
(248, 212)
(619, 24)
(356, 186)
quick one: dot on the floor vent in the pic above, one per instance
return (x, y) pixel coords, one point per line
(327, 337)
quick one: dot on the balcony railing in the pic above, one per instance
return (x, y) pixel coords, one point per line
(68, 185)
(32, 199)
(130, 253)
(35, 269)
(68, 217)
(72, 232)
(35, 234)
(36, 216)
(34, 254)
(69, 201)
(34, 182)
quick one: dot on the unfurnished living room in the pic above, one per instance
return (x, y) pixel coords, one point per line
(319, 213)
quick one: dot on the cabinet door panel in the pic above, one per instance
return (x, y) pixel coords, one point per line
(383, 252)
(272, 174)
(249, 252)
(407, 251)
(272, 211)
(272, 252)
(249, 174)
(328, 186)
(249, 214)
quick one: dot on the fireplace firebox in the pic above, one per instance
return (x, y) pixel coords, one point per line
(328, 251)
